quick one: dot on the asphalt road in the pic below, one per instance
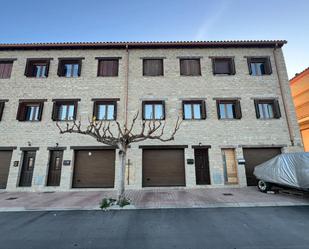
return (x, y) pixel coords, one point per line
(250, 228)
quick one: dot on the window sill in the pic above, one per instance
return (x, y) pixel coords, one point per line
(223, 75)
(107, 76)
(190, 75)
(151, 76)
(265, 119)
(229, 119)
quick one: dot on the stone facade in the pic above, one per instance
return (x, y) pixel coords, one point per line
(173, 88)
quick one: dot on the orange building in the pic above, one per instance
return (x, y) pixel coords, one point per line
(300, 92)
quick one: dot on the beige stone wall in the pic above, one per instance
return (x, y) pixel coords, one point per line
(171, 87)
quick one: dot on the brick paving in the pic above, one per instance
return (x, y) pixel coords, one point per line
(151, 198)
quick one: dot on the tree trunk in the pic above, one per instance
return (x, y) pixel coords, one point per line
(122, 172)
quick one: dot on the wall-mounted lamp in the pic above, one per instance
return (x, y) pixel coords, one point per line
(29, 143)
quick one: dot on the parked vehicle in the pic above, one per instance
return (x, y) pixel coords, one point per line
(286, 170)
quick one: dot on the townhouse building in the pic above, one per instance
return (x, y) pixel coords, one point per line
(233, 98)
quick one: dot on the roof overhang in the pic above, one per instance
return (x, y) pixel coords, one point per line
(142, 45)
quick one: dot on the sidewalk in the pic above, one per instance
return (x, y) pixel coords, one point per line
(147, 199)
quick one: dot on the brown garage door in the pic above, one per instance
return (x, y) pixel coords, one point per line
(254, 157)
(5, 160)
(163, 167)
(94, 169)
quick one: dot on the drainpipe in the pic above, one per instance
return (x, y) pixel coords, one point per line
(126, 87)
(284, 100)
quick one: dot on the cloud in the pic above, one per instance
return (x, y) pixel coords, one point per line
(210, 20)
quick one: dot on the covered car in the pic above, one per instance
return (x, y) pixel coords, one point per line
(289, 169)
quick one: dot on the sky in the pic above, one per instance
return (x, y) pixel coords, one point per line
(159, 20)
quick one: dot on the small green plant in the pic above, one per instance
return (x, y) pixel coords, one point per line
(107, 202)
(123, 202)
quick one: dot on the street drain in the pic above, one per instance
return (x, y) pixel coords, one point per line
(11, 198)
(48, 192)
(227, 194)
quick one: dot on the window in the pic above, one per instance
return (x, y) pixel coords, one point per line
(267, 109)
(228, 109)
(30, 110)
(5, 69)
(259, 66)
(193, 109)
(152, 67)
(108, 67)
(190, 67)
(153, 110)
(37, 68)
(105, 110)
(70, 68)
(64, 110)
(2, 103)
(223, 66)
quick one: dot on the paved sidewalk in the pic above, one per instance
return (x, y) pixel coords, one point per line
(147, 199)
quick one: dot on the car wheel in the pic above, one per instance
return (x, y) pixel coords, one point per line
(264, 186)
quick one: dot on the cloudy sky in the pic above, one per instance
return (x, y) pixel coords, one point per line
(160, 20)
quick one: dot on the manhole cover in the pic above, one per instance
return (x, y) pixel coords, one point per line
(227, 194)
(11, 198)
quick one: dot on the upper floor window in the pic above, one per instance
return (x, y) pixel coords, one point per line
(228, 109)
(190, 67)
(37, 68)
(267, 109)
(5, 68)
(70, 68)
(153, 110)
(259, 66)
(193, 109)
(2, 103)
(64, 110)
(152, 67)
(105, 110)
(30, 110)
(223, 66)
(108, 67)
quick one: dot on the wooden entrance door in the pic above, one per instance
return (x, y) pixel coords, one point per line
(202, 166)
(5, 160)
(54, 170)
(27, 169)
(229, 166)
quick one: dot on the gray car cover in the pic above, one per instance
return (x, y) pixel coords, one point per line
(291, 169)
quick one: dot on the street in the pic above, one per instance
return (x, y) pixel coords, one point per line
(255, 227)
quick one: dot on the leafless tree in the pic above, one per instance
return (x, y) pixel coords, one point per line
(125, 135)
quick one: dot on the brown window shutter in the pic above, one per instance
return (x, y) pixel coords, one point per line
(79, 68)
(75, 109)
(183, 110)
(203, 109)
(249, 65)
(55, 111)
(47, 68)
(5, 70)
(60, 71)
(268, 69)
(21, 112)
(27, 68)
(115, 110)
(1, 109)
(277, 113)
(232, 65)
(213, 60)
(163, 107)
(195, 67)
(222, 66)
(41, 106)
(184, 67)
(257, 110)
(143, 110)
(95, 110)
(218, 109)
(238, 110)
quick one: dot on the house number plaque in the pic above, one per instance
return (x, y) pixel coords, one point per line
(66, 162)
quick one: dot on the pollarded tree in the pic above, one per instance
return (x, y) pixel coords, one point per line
(124, 136)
